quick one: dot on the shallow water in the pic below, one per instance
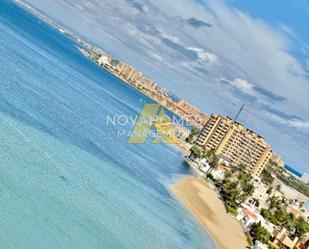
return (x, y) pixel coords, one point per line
(66, 179)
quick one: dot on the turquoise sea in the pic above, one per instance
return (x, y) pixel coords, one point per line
(66, 179)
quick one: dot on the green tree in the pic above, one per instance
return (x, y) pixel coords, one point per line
(267, 178)
(281, 215)
(196, 151)
(227, 174)
(259, 233)
(301, 227)
(231, 191)
(269, 190)
(268, 215)
(274, 202)
(247, 188)
(193, 133)
(213, 162)
(242, 167)
(210, 153)
(244, 177)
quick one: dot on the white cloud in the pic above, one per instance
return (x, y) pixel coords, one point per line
(285, 121)
(243, 86)
(307, 65)
(204, 56)
(236, 46)
(172, 38)
(299, 124)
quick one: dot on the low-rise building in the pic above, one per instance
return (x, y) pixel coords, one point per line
(248, 214)
(108, 62)
(188, 108)
(277, 160)
(147, 83)
(259, 245)
(305, 178)
(104, 59)
(282, 240)
(303, 242)
(293, 209)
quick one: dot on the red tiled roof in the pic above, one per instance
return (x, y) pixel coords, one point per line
(250, 214)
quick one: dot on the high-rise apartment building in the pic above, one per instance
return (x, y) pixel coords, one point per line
(129, 73)
(235, 144)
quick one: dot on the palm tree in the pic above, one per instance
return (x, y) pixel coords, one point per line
(213, 162)
(193, 133)
(242, 167)
(274, 202)
(196, 151)
(209, 154)
(227, 174)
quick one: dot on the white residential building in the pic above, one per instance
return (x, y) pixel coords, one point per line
(248, 215)
(278, 160)
(259, 245)
(104, 59)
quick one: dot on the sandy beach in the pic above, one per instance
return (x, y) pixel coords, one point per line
(209, 210)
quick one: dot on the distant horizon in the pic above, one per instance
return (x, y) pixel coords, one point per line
(293, 170)
(199, 52)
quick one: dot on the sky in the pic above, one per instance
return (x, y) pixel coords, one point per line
(216, 54)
